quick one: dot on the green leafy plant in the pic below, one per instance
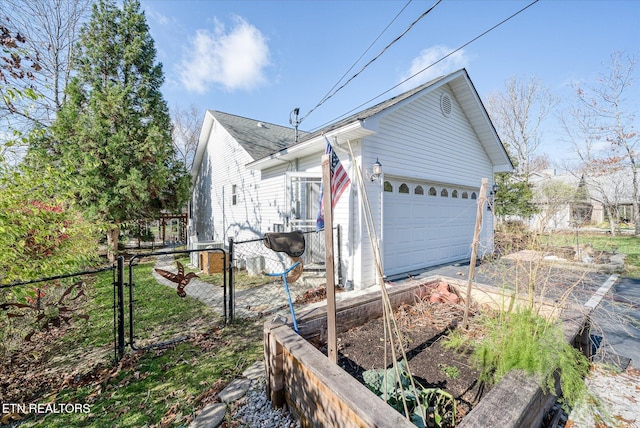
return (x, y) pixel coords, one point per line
(524, 340)
(452, 372)
(428, 406)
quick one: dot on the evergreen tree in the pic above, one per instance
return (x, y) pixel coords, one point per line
(113, 135)
(514, 198)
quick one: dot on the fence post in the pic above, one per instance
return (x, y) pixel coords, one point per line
(231, 279)
(225, 269)
(120, 305)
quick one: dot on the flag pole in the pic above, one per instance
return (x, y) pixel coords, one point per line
(332, 340)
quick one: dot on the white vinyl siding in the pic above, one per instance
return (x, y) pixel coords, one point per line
(416, 144)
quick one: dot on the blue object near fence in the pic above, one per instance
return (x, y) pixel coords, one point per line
(286, 287)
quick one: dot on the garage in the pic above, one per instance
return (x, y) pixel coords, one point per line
(426, 224)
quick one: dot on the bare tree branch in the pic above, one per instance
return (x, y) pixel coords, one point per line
(186, 132)
(50, 28)
(600, 126)
(518, 114)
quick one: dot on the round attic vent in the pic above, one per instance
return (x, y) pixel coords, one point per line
(445, 104)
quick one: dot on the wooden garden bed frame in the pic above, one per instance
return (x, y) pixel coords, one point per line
(321, 394)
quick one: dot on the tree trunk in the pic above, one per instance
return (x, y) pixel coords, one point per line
(636, 219)
(113, 234)
(612, 220)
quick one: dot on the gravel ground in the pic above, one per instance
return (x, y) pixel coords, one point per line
(255, 410)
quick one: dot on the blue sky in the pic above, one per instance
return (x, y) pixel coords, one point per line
(261, 59)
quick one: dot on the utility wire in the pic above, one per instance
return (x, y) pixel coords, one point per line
(427, 67)
(332, 92)
(329, 94)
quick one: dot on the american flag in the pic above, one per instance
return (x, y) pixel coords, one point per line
(339, 182)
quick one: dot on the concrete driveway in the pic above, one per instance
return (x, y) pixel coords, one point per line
(617, 322)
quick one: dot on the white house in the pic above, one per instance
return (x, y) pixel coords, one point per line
(435, 143)
(568, 200)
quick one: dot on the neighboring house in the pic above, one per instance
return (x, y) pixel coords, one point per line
(566, 200)
(435, 143)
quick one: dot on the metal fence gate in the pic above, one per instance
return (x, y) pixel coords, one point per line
(192, 305)
(195, 301)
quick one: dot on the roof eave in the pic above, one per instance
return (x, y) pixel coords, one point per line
(205, 132)
(317, 144)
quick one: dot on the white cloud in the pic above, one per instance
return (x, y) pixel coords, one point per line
(427, 58)
(156, 16)
(234, 59)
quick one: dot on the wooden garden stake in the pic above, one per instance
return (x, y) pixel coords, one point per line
(332, 340)
(474, 250)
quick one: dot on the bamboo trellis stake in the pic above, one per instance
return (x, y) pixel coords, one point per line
(474, 250)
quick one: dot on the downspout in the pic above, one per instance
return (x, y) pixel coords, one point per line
(381, 243)
(352, 232)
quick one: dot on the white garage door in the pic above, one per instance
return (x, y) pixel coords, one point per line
(426, 224)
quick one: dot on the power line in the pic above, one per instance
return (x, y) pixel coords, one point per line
(328, 94)
(429, 66)
(332, 92)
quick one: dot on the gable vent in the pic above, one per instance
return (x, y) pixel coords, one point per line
(445, 105)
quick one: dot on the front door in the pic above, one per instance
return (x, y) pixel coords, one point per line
(304, 195)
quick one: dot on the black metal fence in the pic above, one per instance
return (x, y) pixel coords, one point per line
(191, 304)
(254, 293)
(43, 304)
(194, 300)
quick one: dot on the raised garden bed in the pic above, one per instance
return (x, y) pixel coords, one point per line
(423, 326)
(324, 394)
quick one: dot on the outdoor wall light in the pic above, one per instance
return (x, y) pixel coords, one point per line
(376, 172)
(494, 190)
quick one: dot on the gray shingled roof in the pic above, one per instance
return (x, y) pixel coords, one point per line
(364, 114)
(262, 141)
(259, 139)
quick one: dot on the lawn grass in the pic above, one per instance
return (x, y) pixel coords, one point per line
(156, 386)
(626, 244)
(162, 385)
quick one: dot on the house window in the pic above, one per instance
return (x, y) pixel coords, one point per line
(465, 195)
(403, 188)
(432, 191)
(388, 187)
(418, 190)
(234, 194)
(473, 195)
(444, 193)
(454, 194)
